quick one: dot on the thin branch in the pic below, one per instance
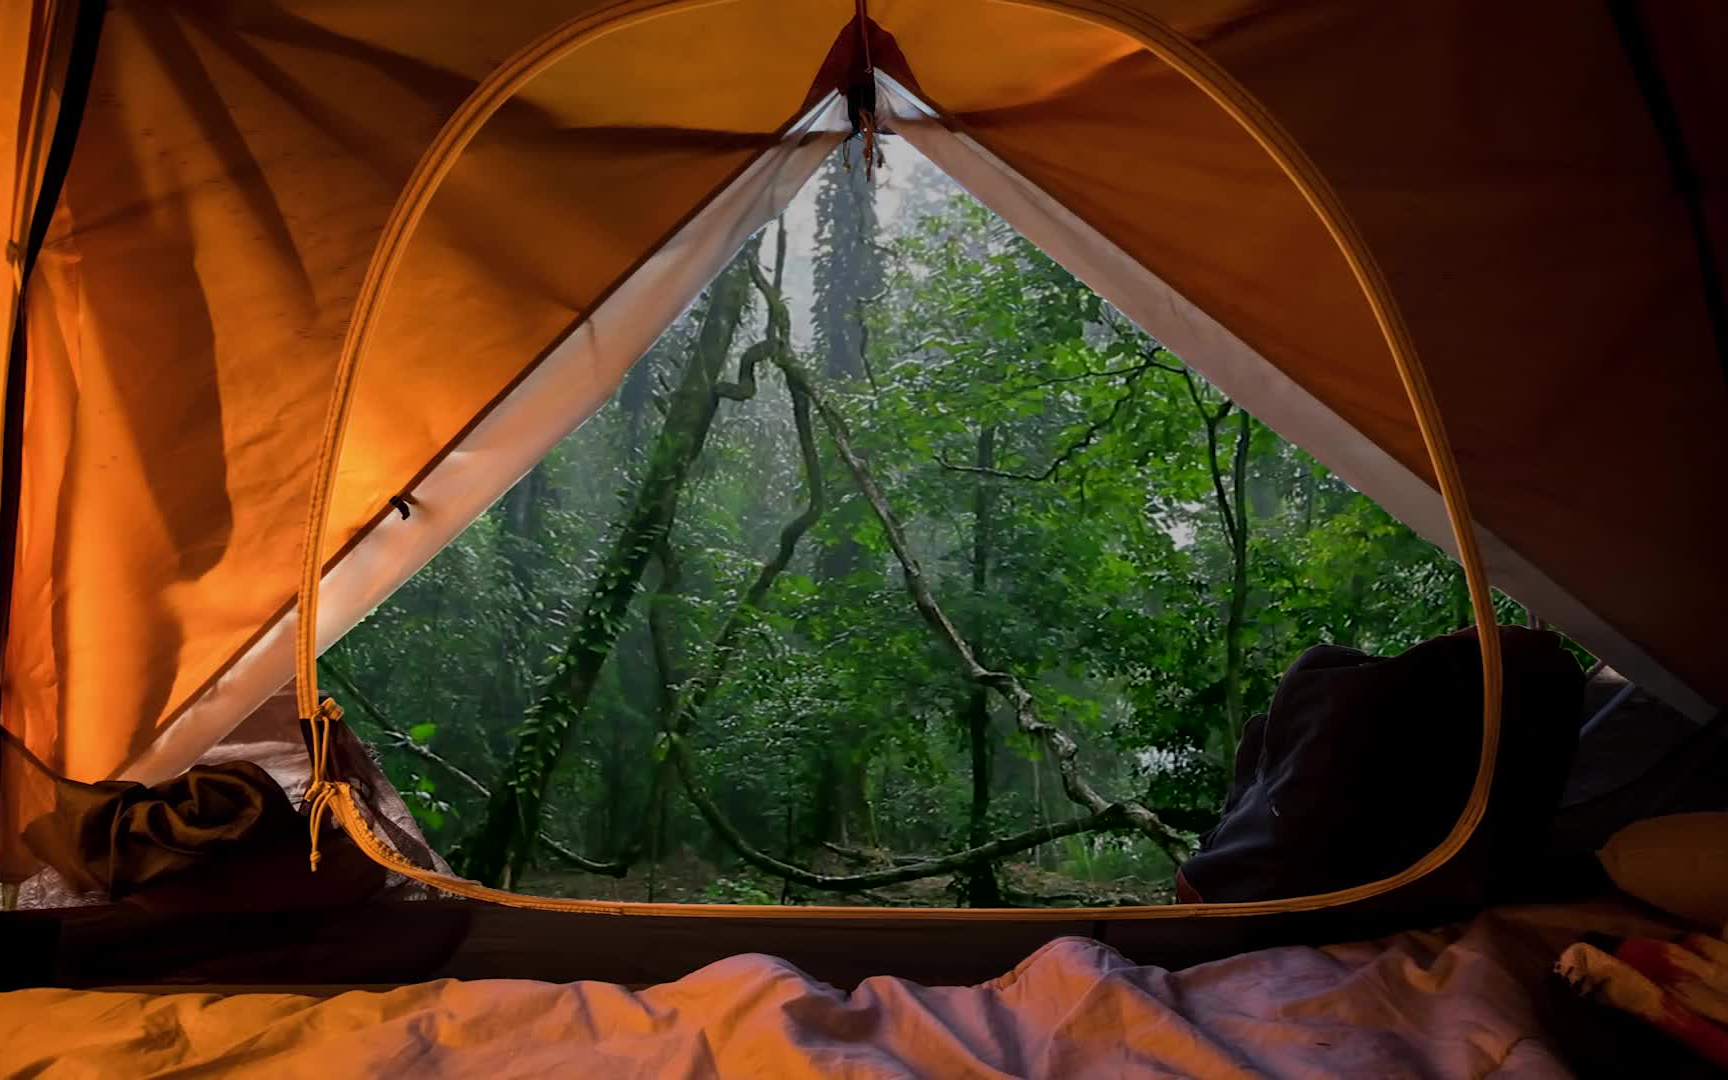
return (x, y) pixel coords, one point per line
(864, 346)
(745, 388)
(1113, 899)
(660, 630)
(1091, 434)
(884, 900)
(863, 857)
(402, 740)
(1239, 477)
(1005, 684)
(1110, 817)
(1212, 420)
(779, 334)
(697, 693)
(1106, 373)
(779, 324)
(779, 252)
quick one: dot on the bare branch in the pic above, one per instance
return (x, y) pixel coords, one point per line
(1110, 817)
(745, 388)
(1086, 439)
(1212, 419)
(779, 324)
(864, 345)
(1106, 373)
(697, 693)
(865, 857)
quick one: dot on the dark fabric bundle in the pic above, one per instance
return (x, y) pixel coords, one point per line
(217, 837)
(116, 837)
(1363, 764)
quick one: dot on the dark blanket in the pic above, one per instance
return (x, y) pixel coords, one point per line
(1363, 764)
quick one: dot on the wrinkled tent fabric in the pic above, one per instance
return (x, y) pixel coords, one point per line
(35, 40)
(235, 166)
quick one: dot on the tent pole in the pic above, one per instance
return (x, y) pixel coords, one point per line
(328, 795)
(1607, 710)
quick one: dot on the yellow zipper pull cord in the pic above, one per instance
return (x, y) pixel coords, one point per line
(321, 792)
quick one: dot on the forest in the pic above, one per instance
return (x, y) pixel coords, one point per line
(901, 570)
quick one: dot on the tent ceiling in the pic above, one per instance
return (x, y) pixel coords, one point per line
(237, 163)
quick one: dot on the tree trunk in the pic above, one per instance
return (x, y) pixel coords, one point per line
(505, 837)
(847, 273)
(1232, 505)
(981, 886)
(1233, 658)
(521, 517)
(1309, 483)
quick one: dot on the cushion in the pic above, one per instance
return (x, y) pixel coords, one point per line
(1677, 863)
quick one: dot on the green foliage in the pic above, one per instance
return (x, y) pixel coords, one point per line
(423, 802)
(1052, 467)
(735, 890)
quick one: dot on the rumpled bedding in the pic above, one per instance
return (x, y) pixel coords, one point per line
(1453, 1003)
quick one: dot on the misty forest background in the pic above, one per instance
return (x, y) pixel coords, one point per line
(683, 660)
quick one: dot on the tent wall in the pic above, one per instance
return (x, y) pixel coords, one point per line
(233, 173)
(237, 164)
(575, 378)
(35, 47)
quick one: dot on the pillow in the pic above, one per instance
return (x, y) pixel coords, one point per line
(1677, 863)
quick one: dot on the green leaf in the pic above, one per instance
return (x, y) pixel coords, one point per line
(422, 733)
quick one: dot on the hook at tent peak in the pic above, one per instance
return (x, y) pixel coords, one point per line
(861, 101)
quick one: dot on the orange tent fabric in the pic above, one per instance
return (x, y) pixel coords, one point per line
(1514, 170)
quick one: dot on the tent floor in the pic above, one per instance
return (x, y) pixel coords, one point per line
(388, 944)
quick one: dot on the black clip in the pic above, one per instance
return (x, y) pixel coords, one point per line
(861, 104)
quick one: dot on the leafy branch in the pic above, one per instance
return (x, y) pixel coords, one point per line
(1086, 439)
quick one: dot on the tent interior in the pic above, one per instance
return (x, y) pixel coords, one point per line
(300, 290)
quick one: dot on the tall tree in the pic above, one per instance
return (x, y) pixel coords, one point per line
(848, 277)
(981, 887)
(505, 838)
(517, 557)
(1231, 503)
(848, 268)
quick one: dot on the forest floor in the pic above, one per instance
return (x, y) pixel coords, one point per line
(687, 878)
